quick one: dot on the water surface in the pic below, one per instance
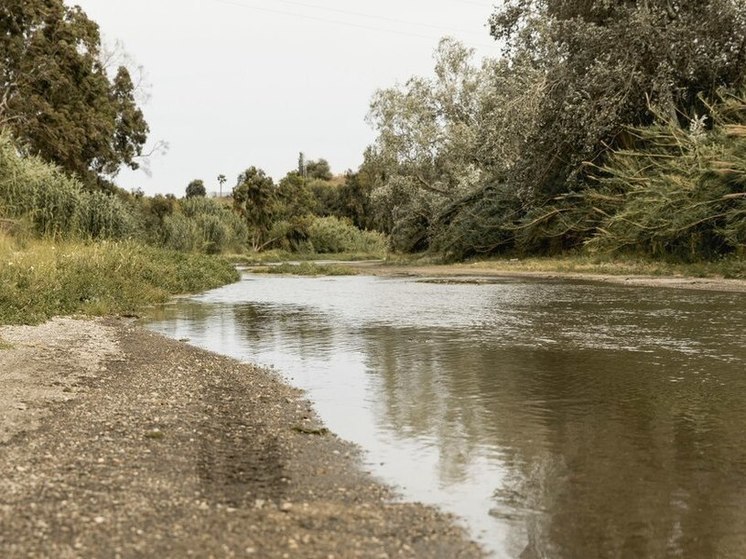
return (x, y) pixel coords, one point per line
(557, 419)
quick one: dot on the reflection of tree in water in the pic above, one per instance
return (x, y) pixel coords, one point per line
(605, 456)
(650, 467)
(424, 400)
(291, 328)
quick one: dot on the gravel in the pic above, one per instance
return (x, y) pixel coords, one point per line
(118, 442)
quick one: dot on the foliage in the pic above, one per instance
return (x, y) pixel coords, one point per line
(480, 224)
(442, 140)
(423, 155)
(355, 199)
(333, 235)
(47, 279)
(318, 169)
(530, 153)
(294, 197)
(606, 64)
(308, 269)
(679, 191)
(56, 96)
(196, 188)
(674, 192)
(54, 204)
(254, 197)
(203, 225)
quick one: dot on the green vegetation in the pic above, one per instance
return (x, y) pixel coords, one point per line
(604, 264)
(50, 203)
(42, 278)
(307, 269)
(305, 213)
(202, 225)
(61, 97)
(65, 249)
(196, 188)
(614, 127)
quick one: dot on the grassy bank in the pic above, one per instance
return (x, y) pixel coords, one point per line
(307, 269)
(41, 278)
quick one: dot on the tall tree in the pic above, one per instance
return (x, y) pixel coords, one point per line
(254, 197)
(613, 64)
(196, 189)
(319, 169)
(425, 154)
(57, 98)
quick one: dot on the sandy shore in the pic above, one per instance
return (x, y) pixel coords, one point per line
(487, 271)
(117, 442)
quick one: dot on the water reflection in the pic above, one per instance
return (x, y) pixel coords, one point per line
(559, 419)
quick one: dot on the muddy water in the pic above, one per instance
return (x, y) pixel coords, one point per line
(557, 419)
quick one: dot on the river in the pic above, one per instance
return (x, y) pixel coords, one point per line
(554, 418)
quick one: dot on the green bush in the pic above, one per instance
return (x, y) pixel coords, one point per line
(332, 234)
(203, 225)
(679, 192)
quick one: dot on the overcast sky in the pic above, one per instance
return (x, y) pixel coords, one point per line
(235, 83)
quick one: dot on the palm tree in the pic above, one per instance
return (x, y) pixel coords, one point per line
(221, 180)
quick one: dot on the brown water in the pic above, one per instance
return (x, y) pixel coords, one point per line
(557, 419)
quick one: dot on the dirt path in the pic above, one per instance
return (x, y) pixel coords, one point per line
(117, 442)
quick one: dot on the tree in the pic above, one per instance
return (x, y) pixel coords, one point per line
(354, 198)
(196, 188)
(294, 196)
(254, 197)
(55, 95)
(424, 153)
(609, 65)
(318, 170)
(221, 181)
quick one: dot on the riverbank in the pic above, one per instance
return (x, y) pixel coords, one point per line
(550, 269)
(119, 442)
(42, 278)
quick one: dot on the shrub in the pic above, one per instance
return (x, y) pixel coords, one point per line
(98, 278)
(203, 225)
(332, 234)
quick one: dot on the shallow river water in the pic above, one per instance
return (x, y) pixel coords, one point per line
(556, 419)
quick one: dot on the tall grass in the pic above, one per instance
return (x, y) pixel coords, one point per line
(335, 235)
(204, 225)
(48, 278)
(54, 204)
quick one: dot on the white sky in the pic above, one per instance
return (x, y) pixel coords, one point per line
(236, 83)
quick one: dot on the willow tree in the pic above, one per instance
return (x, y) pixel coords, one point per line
(56, 97)
(610, 65)
(442, 139)
(424, 149)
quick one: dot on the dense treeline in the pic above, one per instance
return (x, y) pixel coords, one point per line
(605, 125)
(310, 210)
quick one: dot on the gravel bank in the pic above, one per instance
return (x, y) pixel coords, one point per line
(117, 442)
